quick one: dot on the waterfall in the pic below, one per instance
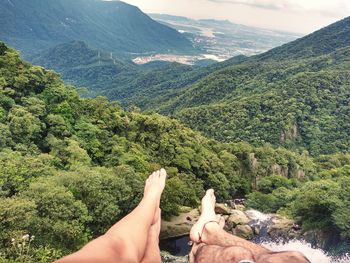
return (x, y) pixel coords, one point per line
(262, 221)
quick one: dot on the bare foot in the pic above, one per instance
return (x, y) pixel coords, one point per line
(155, 184)
(220, 220)
(207, 215)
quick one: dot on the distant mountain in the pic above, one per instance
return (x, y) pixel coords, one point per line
(114, 26)
(80, 64)
(296, 96)
(224, 38)
(321, 42)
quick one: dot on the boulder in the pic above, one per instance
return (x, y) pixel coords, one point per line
(168, 258)
(282, 227)
(237, 217)
(179, 225)
(222, 209)
(240, 207)
(243, 231)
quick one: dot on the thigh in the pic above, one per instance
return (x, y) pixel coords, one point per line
(216, 254)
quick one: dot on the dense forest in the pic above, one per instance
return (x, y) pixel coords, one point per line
(118, 79)
(298, 102)
(70, 167)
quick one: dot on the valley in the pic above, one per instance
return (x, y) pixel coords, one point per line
(93, 104)
(224, 39)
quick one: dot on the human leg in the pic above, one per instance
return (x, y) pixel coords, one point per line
(217, 254)
(202, 253)
(152, 253)
(285, 256)
(126, 241)
(211, 233)
(213, 242)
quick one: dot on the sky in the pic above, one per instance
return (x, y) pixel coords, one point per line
(301, 16)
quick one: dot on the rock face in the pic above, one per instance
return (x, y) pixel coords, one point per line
(243, 231)
(223, 209)
(282, 227)
(321, 239)
(179, 225)
(237, 217)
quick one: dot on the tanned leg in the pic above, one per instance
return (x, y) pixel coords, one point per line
(152, 254)
(126, 241)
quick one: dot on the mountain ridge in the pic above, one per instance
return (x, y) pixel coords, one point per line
(264, 98)
(113, 26)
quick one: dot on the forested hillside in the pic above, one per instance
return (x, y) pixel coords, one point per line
(301, 103)
(104, 74)
(70, 167)
(114, 26)
(82, 65)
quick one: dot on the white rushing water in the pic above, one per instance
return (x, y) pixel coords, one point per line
(313, 254)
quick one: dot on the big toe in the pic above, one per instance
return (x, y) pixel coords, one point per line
(210, 192)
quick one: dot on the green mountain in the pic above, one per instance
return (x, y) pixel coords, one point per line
(82, 65)
(119, 79)
(114, 26)
(71, 167)
(321, 42)
(88, 159)
(296, 96)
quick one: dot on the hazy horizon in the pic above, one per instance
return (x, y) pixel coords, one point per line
(296, 16)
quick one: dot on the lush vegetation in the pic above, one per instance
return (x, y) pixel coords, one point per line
(119, 79)
(322, 203)
(70, 167)
(108, 25)
(298, 103)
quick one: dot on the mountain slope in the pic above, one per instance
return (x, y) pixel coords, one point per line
(82, 65)
(113, 26)
(321, 42)
(88, 159)
(122, 80)
(301, 103)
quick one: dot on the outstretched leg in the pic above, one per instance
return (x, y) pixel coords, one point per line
(206, 230)
(152, 254)
(213, 244)
(126, 241)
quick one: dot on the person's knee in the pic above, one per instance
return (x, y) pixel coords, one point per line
(236, 254)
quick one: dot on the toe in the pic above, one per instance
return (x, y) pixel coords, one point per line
(162, 172)
(153, 175)
(210, 192)
(157, 174)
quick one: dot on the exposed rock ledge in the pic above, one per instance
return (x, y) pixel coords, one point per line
(237, 222)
